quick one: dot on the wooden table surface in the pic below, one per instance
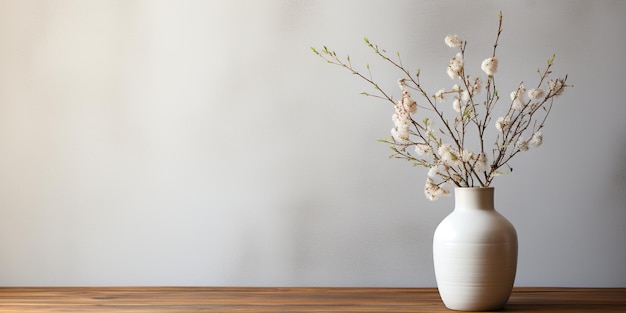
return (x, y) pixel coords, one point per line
(251, 299)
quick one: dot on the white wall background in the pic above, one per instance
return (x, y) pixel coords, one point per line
(202, 143)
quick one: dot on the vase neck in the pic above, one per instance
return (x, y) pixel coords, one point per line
(474, 199)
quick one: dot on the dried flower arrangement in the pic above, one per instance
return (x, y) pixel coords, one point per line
(424, 134)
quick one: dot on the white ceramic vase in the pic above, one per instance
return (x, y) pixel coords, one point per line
(475, 253)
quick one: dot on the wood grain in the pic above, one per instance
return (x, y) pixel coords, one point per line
(251, 299)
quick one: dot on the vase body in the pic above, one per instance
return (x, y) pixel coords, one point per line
(475, 253)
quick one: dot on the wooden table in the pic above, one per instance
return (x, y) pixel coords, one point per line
(250, 299)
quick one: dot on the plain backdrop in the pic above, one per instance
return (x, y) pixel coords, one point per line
(202, 143)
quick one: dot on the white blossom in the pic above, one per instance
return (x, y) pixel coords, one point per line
(404, 108)
(453, 41)
(400, 134)
(455, 68)
(518, 98)
(521, 144)
(433, 171)
(467, 155)
(423, 149)
(465, 96)
(451, 73)
(535, 93)
(434, 191)
(503, 123)
(490, 66)
(536, 140)
(448, 155)
(456, 105)
(556, 86)
(518, 104)
(443, 150)
(481, 163)
(440, 95)
(401, 120)
(409, 104)
(500, 124)
(395, 117)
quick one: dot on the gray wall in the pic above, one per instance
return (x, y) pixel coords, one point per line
(202, 143)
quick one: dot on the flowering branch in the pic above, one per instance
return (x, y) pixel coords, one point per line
(456, 163)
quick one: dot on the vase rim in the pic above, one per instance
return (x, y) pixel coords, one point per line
(475, 187)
